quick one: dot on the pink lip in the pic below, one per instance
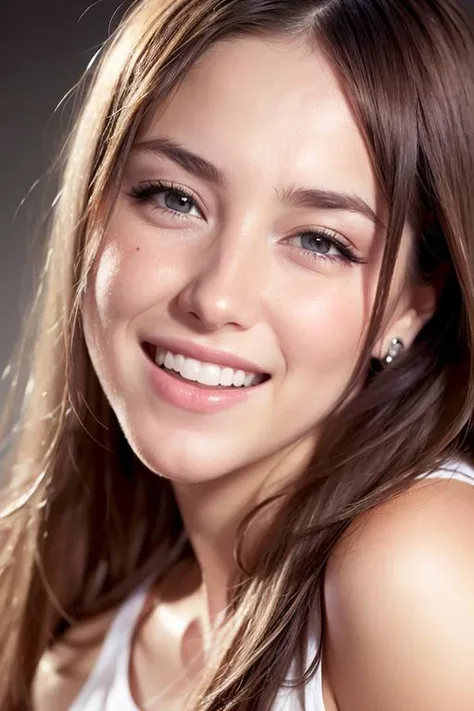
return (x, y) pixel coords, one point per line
(209, 355)
(192, 397)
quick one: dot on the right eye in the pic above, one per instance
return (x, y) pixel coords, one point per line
(167, 197)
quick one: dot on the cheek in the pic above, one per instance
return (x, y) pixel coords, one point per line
(114, 294)
(325, 332)
(104, 281)
(125, 283)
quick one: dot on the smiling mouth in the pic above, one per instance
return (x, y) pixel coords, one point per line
(150, 351)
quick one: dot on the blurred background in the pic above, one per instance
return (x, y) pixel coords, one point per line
(45, 45)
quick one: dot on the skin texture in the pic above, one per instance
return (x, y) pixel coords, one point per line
(234, 275)
(231, 279)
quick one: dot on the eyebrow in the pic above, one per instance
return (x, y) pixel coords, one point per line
(191, 162)
(312, 198)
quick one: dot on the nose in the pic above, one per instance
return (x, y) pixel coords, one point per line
(225, 284)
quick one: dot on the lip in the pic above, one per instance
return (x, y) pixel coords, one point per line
(192, 397)
(208, 355)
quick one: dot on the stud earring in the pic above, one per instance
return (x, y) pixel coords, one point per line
(395, 349)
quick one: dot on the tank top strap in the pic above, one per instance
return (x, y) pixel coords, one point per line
(114, 655)
(456, 469)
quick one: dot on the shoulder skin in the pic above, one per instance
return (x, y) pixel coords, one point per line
(399, 595)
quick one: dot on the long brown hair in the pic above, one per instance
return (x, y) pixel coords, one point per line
(84, 521)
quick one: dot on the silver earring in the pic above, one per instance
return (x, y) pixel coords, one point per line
(395, 349)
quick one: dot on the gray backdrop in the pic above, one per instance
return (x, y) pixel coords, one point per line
(45, 45)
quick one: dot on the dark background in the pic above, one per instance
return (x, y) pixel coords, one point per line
(45, 45)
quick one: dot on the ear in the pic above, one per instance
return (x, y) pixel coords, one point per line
(415, 306)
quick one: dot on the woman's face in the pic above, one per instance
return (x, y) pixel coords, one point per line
(245, 224)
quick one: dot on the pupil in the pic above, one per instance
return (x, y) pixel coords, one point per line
(177, 202)
(319, 244)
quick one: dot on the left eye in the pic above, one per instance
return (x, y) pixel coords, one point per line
(323, 244)
(167, 198)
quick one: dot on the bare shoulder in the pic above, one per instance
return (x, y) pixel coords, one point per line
(64, 668)
(398, 597)
(431, 512)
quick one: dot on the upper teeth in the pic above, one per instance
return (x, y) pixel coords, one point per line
(205, 373)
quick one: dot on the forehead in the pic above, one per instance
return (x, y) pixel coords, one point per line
(270, 110)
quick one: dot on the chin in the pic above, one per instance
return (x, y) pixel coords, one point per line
(191, 462)
(196, 472)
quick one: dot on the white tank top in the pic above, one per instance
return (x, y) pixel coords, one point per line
(108, 688)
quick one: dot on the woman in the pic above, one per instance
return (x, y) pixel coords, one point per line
(241, 475)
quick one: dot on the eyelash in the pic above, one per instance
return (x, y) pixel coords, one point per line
(144, 193)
